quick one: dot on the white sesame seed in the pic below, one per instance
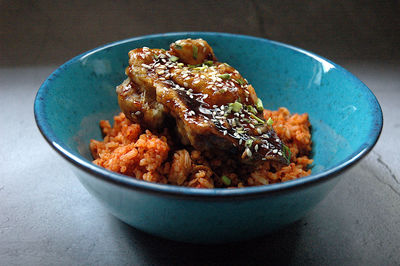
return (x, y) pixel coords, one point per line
(275, 151)
(222, 107)
(146, 66)
(259, 130)
(137, 113)
(251, 125)
(256, 147)
(225, 132)
(240, 141)
(280, 153)
(191, 96)
(248, 152)
(215, 106)
(185, 84)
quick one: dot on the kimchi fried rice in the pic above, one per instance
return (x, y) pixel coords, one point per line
(160, 157)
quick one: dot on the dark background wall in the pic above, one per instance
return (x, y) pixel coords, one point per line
(50, 32)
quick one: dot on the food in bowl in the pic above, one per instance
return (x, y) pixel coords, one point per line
(189, 120)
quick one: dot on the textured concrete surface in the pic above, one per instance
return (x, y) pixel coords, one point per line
(48, 218)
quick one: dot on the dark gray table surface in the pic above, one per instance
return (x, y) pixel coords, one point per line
(48, 218)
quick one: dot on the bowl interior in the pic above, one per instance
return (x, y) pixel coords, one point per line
(345, 116)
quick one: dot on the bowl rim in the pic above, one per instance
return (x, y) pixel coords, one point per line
(195, 193)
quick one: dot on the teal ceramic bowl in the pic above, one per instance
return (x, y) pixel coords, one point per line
(345, 115)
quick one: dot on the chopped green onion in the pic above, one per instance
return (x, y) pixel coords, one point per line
(257, 118)
(194, 66)
(200, 68)
(180, 64)
(174, 58)
(195, 52)
(236, 106)
(209, 63)
(225, 76)
(226, 180)
(287, 153)
(270, 121)
(177, 46)
(241, 81)
(155, 56)
(259, 105)
(248, 143)
(251, 109)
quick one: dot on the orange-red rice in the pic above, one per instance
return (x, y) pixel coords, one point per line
(129, 150)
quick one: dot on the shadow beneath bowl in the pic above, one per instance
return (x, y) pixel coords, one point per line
(276, 248)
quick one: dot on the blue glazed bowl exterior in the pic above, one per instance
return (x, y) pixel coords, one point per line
(345, 116)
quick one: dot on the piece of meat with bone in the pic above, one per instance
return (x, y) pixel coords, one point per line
(214, 107)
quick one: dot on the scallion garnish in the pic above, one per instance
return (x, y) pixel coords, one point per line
(195, 51)
(248, 143)
(236, 106)
(287, 153)
(226, 180)
(257, 118)
(251, 109)
(241, 81)
(259, 105)
(174, 58)
(270, 121)
(209, 63)
(225, 76)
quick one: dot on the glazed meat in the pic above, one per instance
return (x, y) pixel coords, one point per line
(214, 107)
